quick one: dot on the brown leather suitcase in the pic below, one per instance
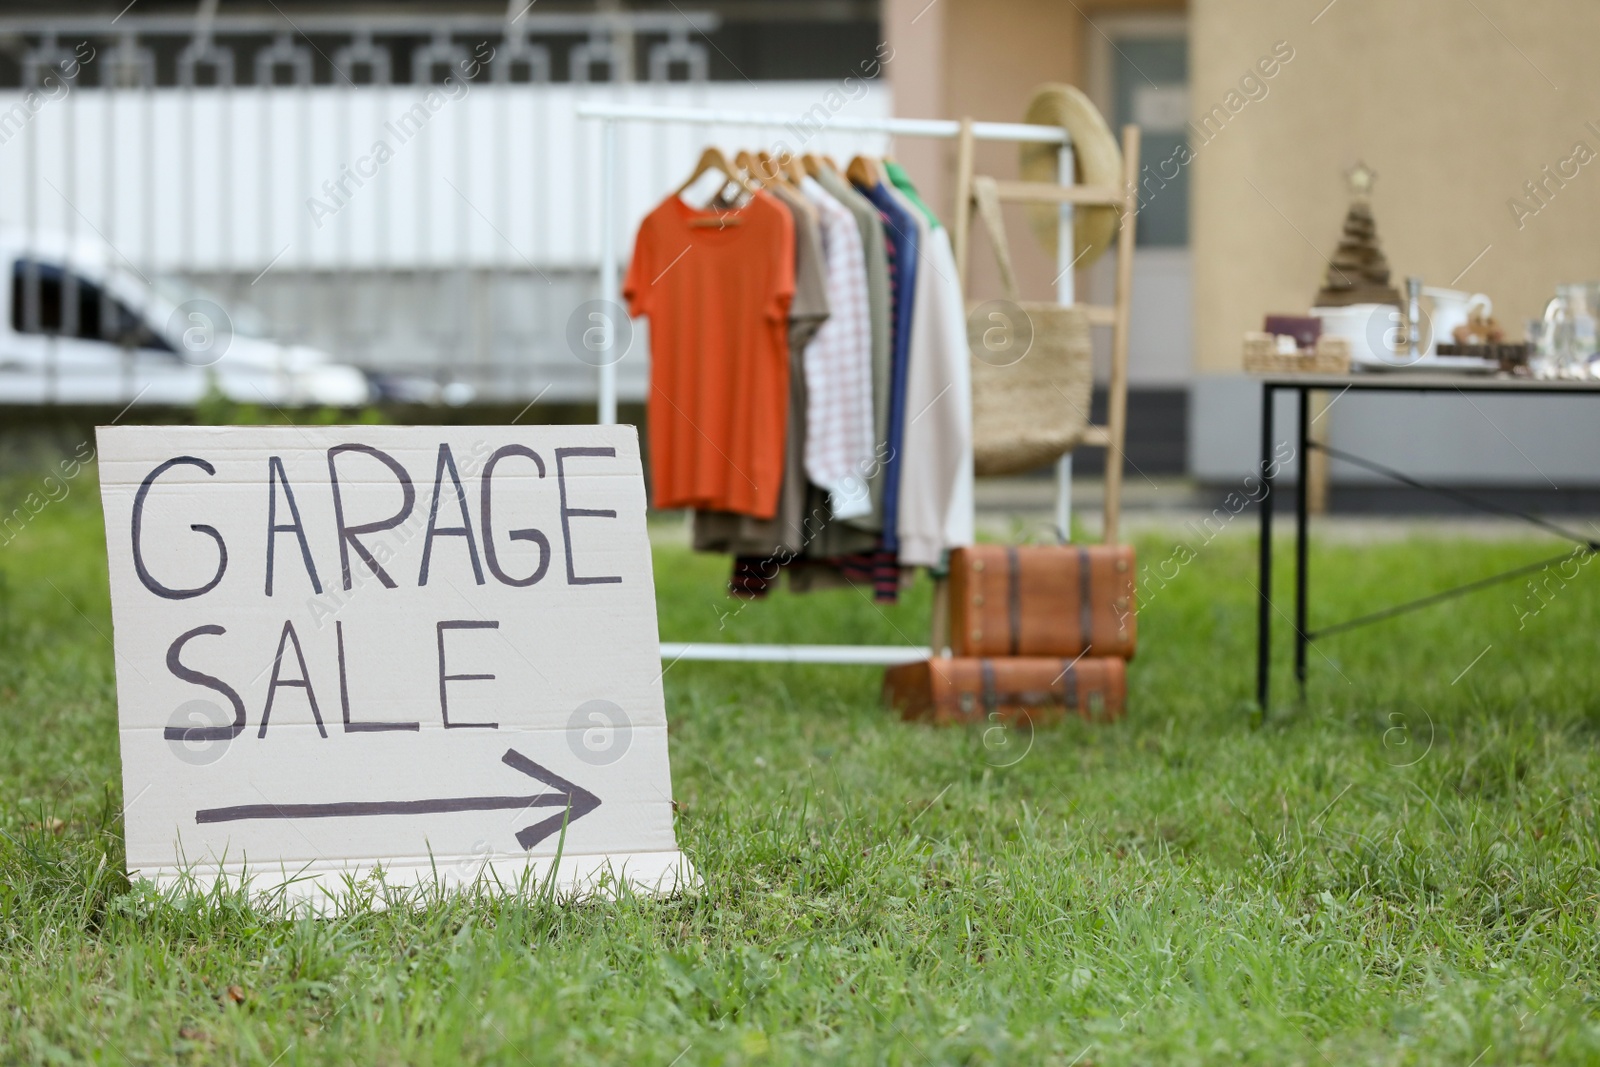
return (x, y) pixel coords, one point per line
(1034, 688)
(1042, 600)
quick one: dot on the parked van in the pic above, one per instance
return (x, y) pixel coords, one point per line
(83, 326)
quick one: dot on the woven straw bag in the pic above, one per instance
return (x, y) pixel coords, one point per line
(1032, 368)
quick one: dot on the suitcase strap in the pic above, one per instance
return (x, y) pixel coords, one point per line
(986, 683)
(1014, 597)
(1085, 613)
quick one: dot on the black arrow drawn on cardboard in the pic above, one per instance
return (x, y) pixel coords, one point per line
(576, 800)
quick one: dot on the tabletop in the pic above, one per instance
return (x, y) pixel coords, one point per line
(1427, 381)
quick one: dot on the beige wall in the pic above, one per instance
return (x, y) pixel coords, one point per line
(916, 73)
(1456, 107)
(1453, 112)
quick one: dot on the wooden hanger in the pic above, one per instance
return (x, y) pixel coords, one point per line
(746, 162)
(793, 170)
(812, 164)
(773, 168)
(863, 171)
(713, 159)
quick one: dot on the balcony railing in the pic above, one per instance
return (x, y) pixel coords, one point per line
(222, 51)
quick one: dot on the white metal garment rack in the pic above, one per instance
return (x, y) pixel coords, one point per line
(609, 115)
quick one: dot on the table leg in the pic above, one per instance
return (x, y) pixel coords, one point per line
(1264, 607)
(1301, 494)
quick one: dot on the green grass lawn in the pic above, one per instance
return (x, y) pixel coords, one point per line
(1401, 870)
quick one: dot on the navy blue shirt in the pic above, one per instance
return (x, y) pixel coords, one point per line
(901, 231)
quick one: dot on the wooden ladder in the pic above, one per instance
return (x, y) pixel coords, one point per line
(1112, 435)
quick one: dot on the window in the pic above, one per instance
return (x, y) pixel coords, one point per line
(44, 298)
(1150, 87)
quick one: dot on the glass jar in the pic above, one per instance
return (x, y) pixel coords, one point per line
(1542, 359)
(1576, 334)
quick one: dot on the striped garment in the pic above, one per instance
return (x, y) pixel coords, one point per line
(838, 366)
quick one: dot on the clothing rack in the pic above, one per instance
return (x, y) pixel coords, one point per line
(610, 115)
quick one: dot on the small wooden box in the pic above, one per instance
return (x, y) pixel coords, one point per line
(1034, 689)
(1261, 356)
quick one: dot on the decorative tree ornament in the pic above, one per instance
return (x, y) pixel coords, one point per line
(1358, 273)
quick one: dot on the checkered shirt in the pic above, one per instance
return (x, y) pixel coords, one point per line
(838, 365)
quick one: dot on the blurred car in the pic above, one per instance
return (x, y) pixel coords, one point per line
(82, 328)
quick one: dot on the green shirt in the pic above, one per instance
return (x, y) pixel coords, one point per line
(902, 181)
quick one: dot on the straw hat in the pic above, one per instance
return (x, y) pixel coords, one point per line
(1097, 159)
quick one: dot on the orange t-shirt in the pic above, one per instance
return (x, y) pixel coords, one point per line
(718, 303)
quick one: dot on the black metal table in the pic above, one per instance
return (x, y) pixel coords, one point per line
(1382, 381)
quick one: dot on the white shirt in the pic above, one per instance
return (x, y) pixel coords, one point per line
(936, 487)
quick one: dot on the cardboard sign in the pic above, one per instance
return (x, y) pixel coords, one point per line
(430, 650)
